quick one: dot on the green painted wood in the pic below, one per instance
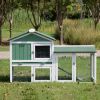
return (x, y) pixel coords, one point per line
(21, 51)
(13, 53)
(75, 49)
(32, 37)
(36, 32)
(17, 53)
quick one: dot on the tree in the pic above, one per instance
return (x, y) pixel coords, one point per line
(60, 10)
(4, 10)
(13, 4)
(34, 9)
(94, 7)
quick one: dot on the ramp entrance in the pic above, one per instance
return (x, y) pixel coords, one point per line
(65, 68)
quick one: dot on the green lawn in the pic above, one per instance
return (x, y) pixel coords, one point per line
(4, 48)
(47, 91)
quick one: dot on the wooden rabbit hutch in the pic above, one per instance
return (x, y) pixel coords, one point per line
(37, 50)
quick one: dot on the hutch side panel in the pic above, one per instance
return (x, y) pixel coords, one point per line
(21, 51)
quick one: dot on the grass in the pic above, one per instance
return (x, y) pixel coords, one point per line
(47, 91)
(4, 48)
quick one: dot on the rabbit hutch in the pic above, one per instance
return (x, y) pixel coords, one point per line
(37, 51)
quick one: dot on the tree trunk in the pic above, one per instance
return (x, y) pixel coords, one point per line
(95, 23)
(0, 36)
(59, 18)
(10, 29)
(61, 35)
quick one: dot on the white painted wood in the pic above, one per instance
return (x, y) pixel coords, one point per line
(74, 67)
(64, 81)
(56, 67)
(91, 65)
(50, 73)
(64, 54)
(36, 60)
(74, 45)
(32, 51)
(53, 69)
(43, 45)
(32, 74)
(10, 62)
(29, 42)
(38, 65)
(94, 55)
(45, 37)
(42, 81)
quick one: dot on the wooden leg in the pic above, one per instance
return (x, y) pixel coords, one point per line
(32, 73)
(56, 67)
(91, 65)
(74, 67)
(11, 76)
(94, 63)
(53, 69)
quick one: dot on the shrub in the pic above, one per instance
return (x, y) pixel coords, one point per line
(77, 33)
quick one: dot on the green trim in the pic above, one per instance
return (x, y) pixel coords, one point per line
(36, 32)
(75, 49)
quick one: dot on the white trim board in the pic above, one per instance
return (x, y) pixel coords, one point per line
(27, 33)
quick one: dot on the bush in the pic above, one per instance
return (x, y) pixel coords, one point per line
(77, 33)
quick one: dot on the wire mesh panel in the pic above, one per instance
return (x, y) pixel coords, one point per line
(42, 73)
(21, 73)
(83, 67)
(65, 68)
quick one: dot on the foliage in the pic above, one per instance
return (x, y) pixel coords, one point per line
(60, 11)
(76, 33)
(94, 7)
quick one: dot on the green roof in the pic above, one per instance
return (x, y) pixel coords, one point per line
(34, 33)
(74, 49)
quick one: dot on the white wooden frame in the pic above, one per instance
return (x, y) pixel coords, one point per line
(41, 59)
(11, 70)
(73, 67)
(93, 66)
(34, 80)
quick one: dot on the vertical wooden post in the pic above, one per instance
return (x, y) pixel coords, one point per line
(53, 68)
(74, 67)
(32, 74)
(94, 65)
(91, 65)
(56, 67)
(50, 73)
(11, 76)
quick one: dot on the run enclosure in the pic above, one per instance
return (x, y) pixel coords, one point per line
(36, 50)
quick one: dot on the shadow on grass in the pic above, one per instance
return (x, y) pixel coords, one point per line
(4, 78)
(22, 78)
(42, 78)
(64, 78)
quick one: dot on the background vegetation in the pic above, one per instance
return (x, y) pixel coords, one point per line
(71, 21)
